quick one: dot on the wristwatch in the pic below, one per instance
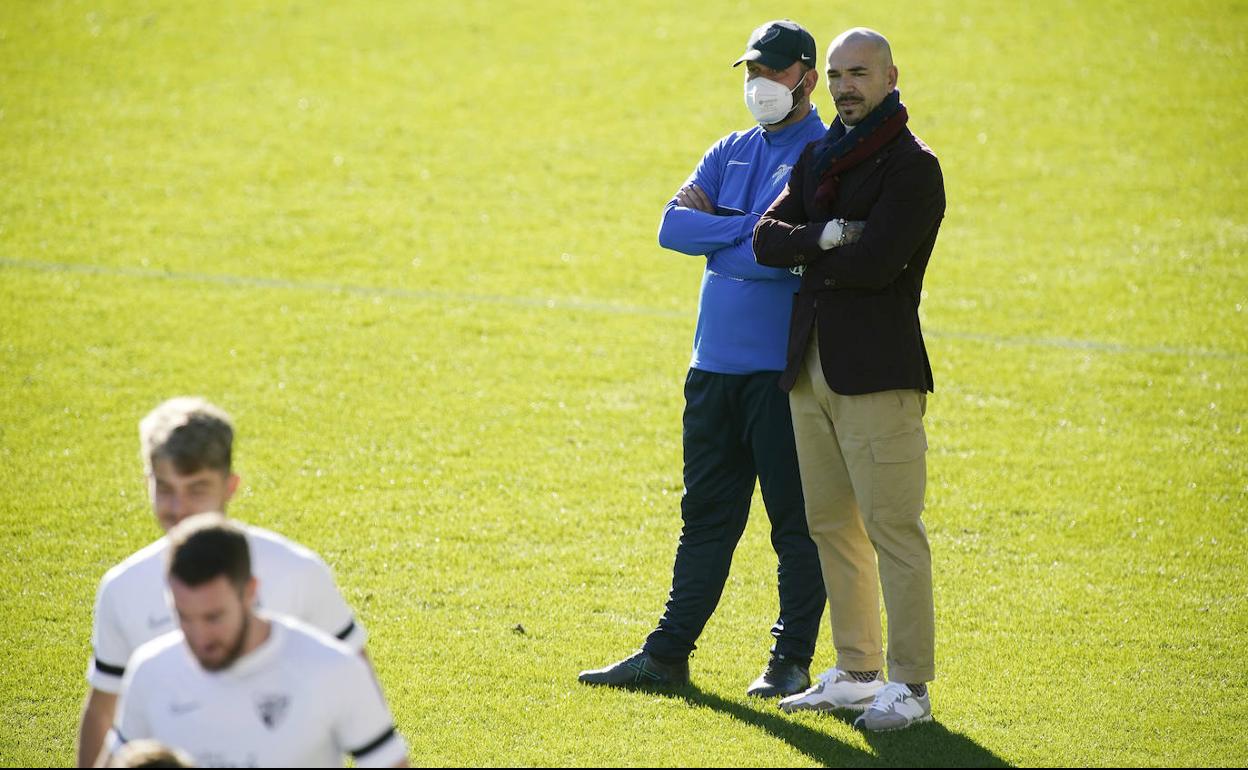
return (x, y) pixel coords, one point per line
(833, 234)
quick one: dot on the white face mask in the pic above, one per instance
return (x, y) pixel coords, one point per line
(769, 102)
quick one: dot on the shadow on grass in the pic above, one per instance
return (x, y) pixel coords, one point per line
(926, 745)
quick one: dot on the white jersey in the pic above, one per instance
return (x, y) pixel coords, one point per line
(300, 699)
(132, 608)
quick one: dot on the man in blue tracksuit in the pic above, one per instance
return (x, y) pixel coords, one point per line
(737, 426)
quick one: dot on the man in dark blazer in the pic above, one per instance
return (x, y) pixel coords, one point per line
(858, 375)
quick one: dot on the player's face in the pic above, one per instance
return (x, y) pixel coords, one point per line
(176, 496)
(859, 77)
(214, 618)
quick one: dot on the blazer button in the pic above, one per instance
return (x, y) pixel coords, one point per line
(829, 282)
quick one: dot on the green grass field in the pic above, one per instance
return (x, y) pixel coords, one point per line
(411, 247)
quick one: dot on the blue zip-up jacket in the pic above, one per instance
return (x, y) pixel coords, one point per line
(743, 310)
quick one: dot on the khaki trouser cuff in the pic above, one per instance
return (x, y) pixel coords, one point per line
(916, 675)
(859, 663)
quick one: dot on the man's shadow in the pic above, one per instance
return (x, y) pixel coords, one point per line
(925, 745)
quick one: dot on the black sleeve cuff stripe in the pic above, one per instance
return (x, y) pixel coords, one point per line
(381, 739)
(344, 633)
(104, 668)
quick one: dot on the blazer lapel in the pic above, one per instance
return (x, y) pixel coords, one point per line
(853, 182)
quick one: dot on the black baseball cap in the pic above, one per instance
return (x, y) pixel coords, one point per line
(777, 44)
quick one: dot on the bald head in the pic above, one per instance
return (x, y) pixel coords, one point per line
(860, 73)
(865, 37)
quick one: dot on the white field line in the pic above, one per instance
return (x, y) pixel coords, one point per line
(421, 295)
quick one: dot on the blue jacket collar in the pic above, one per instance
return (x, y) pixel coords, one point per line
(794, 133)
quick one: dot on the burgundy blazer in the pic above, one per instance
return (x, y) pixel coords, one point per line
(863, 296)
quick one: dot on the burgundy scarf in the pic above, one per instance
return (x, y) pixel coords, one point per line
(839, 151)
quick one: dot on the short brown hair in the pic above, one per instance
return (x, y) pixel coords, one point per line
(206, 546)
(189, 432)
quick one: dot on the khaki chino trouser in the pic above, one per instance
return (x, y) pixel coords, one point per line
(863, 467)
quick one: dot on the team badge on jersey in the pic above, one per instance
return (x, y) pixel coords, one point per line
(272, 709)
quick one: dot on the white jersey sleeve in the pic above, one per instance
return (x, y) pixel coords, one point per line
(131, 722)
(295, 581)
(110, 649)
(324, 606)
(363, 726)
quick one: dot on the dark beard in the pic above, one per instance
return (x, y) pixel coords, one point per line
(236, 651)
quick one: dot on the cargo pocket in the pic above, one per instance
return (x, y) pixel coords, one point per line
(898, 476)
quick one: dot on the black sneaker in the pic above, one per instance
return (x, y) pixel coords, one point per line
(641, 670)
(783, 676)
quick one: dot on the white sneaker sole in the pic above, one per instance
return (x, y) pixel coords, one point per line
(789, 708)
(919, 721)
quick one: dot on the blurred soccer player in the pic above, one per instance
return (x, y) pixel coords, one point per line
(239, 688)
(187, 447)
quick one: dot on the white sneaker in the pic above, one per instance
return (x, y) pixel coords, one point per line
(895, 707)
(835, 689)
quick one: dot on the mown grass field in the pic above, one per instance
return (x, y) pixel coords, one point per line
(411, 247)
